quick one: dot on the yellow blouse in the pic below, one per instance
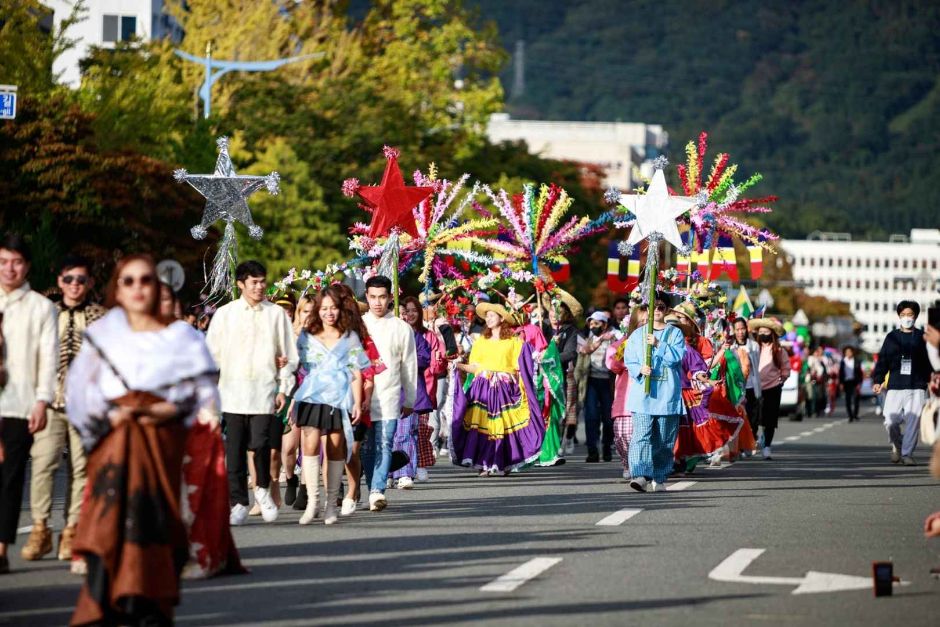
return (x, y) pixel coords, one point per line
(496, 355)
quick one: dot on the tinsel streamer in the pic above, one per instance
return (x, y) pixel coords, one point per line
(725, 181)
(717, 169)
(684, 179)
(755, 178)
(560, 208)
(702, 147)
(693, 165)
(220, 282)
(612, 196)
(506, 209)
(388, 263)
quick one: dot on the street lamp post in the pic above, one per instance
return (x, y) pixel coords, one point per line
(223, 67)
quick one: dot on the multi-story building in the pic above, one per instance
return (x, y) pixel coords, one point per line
(106, 23)
(618, 148)
(872, 277)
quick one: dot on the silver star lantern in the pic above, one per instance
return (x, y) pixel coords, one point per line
(227, 193)
(656, 212)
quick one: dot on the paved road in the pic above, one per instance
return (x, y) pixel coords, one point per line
(830, 501)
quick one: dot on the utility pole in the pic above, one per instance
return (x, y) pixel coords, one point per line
(518, 71)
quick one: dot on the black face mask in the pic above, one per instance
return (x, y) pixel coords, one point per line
(597, 331)
(764, 339)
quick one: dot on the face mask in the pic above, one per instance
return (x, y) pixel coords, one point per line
(764, 339)
(597, 331)
(907, 323)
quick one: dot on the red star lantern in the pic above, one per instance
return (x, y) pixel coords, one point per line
(392, 201)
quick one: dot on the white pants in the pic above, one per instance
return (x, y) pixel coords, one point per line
(903, 407)
(440, 418)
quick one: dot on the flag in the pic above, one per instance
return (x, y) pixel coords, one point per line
(742, 304)
(684, 262)
(561, 271)
(623, 272)
(756, 254)
(727, 262)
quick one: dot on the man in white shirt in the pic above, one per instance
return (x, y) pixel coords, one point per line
(247, 338)
(30, 341)
(395, 388)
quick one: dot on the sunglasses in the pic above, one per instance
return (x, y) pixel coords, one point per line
(81, 279)
(144, 281)
(660, 307)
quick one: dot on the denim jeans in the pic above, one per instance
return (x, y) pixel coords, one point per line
(597, 405)
(381, 434)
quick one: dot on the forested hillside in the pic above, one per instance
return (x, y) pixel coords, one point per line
(837, 104)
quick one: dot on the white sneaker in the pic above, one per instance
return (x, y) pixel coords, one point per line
(766, 453)
(269, 510)
(715, 460)
(349, 507)
(389, 483)
(659, 487)
(639, 484)
(444, 452)
(377, 502)
(238, 515)
(405, 483)
(626, 475)
(422, 475)
(569, 446)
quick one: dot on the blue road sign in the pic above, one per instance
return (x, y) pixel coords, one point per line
(7, 105)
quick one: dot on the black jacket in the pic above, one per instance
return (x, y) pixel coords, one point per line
(566, 339)
(854, 376)
(897, 346)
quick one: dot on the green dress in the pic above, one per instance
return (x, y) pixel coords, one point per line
(552, 377)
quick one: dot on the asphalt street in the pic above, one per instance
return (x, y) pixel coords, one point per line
(528, 549)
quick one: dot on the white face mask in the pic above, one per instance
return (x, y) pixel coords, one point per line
(907, 323)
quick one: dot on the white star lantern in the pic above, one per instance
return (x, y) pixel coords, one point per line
(656, 212)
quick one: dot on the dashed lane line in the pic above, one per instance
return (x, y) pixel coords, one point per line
(678, 486)
(618, 518)
(521, 574)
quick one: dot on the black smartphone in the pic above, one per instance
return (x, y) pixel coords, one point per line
(450, 341)
(883, 575)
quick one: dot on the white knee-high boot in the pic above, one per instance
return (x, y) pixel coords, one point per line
(311, 469)
(335, 471)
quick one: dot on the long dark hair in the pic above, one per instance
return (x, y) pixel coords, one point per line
(411, 300)
(351, 305)
(342, 322)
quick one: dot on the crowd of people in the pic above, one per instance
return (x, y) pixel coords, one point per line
(172, 426)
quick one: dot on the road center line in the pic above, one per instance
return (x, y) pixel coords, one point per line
(521, 574)
(618, 518)
(806, 434)
(680, 485)
(792, 438)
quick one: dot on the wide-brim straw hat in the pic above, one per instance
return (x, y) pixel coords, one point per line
(576, 309)
(765, 323)
(682, 321)
(687, 310)
(483, 308)
(428, 298)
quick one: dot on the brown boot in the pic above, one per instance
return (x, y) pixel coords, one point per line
(39, 543)
(65, 543)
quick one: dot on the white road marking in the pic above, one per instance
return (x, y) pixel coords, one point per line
(521, 574)
(680, 485)
(22, 530)
(818, 430)
(792, 438)
(732, 568)
(806, 434)
(618, 518)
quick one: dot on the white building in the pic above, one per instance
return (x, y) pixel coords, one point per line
(872, 277)
(107, 22)
(617, 147)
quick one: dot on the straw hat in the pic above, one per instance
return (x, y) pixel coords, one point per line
(428, 298)
(682, 321)
(576, 309)
(504, 313)
(687, 310)
(765, 323)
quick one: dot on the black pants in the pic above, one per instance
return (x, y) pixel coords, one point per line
(752, 407)
(243, 433)
(597, 405)
(17, 440)
(770, 412)
(851, 399)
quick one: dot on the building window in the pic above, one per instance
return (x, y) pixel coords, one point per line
(877, 263)
(867, 284)
(904, 264)
(812, 262)
(839, 283)
(933, 264)
(118, 28)
(830, 262)
(868, 263)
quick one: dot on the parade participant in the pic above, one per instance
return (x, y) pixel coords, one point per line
(726, 406)
(433, 375)
(562, 316)
(76, 311)
(599, 398)
(406, 433)
(329, 401)
(550, 388)
(623, 419)
(291, 440)
(395, 386)
(246, 337)
(850, 381)
(354, 465)
(903, 359)
(135, 388)
(621, 312)
(497, 424)
(773, 368)
(170, 307)
(655, 415)
(748, 352)
(28, 322)
(818, 364)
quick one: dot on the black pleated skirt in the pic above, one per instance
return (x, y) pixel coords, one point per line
(318, 416)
